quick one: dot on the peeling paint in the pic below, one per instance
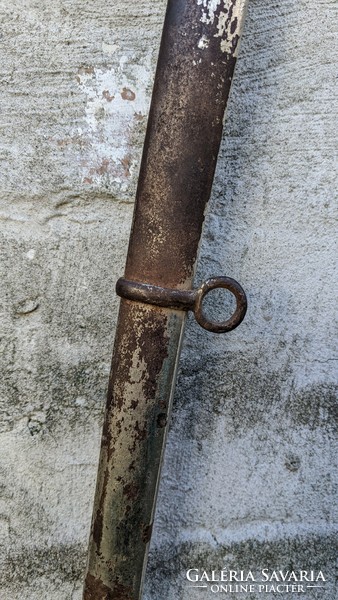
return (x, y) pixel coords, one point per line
(131, 444)
(230, 25)
(228, 16)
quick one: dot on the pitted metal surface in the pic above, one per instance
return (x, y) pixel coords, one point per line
(195, 68)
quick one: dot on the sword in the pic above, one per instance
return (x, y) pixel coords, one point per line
(195, 68)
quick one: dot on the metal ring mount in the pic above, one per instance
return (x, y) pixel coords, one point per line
(188, 299)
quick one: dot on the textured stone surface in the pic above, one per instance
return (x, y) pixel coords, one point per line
(249, 474)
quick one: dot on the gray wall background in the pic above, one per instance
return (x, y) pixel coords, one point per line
(249, 473)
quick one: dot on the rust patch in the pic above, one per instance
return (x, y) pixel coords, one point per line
(140, 434)
(106, 436)
(98, 522)
(154, 350)
(142, 338)
(181, 148)
(131, 491)
(188, 299)
(146, 533)
(97, 529)
(128, 94)
(95, 589)
(161, 420)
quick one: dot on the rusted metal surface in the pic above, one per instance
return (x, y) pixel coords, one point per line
(188, 299)
(195, 68)
(155, 294)
(241, 304)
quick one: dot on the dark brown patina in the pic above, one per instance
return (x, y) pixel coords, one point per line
(195, 68)
(188, 299)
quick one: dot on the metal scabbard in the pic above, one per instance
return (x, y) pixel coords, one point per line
(194, 72)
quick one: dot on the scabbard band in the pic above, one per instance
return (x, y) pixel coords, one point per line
(176, 299)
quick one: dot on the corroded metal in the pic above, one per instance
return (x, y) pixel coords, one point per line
(188, 299)
(195, 68)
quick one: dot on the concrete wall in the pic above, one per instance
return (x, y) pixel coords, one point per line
(248, 479)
